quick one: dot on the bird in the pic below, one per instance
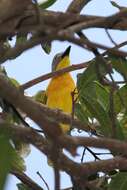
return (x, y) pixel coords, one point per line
(60, 88)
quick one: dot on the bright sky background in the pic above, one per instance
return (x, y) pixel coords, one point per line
(35, 62)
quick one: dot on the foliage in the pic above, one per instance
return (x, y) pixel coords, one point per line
(5, 159)
(46, 4)
(101, 102)
(119, 181)
(21, 186)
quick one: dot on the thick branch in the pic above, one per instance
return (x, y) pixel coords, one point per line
(90, 168)
(62, 35)
(9, 9)
(30, 23)
(29, 135)
(68, 165)
(86, 44)
(106, 143)
(37, 112)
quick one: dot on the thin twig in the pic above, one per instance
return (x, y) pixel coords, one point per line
(26, 180)
(55, 151)
(110, 37)
(112, 112)
(53, 74)
(74, 95)
(93, 154)
(83, 154)
(103, 153)
(59, 72)
(57, 178)
(46, 184)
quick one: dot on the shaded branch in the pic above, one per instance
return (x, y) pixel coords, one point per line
(75, 21)
(67, 69)
(62, 36)
(26, 180)
(46, 184)
(77, 5)
(86, 44)
(72, 167)
(38, 112)
(90, 168)
(53, 74)
(29, 135)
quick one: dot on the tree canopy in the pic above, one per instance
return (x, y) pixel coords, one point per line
(99, 111)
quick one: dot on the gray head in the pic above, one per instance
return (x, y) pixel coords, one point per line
(58, 57)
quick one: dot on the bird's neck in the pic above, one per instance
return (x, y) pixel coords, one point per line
(63, 63)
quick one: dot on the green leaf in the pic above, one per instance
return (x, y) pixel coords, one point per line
(89, 98)
(9, 158)
(47, 3)
(3, 70)
(40, 96)
(102, 95)
(6, 157)
(14, 82)
(114, 4)
(89, 75)
(94, 99)
(23, 149)
(46, 47)
(81, 113)
(22, 186)
(118, 182)
(123, 123)
(21, 39)
(18, 162)
(119, 131)
(120, 99)
(98, 112)
(120, 65)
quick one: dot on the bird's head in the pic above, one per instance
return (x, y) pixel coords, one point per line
(61, 60)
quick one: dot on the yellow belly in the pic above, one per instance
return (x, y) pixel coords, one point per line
(59, 95)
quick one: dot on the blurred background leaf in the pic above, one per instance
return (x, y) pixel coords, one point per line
(6, 158)
(118, 182)
(22, 186)
(40, 97)
(46, 4)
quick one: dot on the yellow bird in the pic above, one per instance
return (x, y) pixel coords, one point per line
(60, 88)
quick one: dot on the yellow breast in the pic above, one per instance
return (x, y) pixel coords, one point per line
(59, 94)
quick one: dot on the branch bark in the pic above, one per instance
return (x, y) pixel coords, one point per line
(30, 22)
(53, 74)
(71, 167)
(77, 5)
(26, 180)
(38, 112)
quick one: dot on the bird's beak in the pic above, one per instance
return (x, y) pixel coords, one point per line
(66, 52)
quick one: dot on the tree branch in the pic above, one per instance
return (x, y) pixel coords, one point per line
(29, 135)
(26, 180)
(30, 22)
(67, 69)
(54, 74)
(38, 112)
(77, 5)
(68, 165)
